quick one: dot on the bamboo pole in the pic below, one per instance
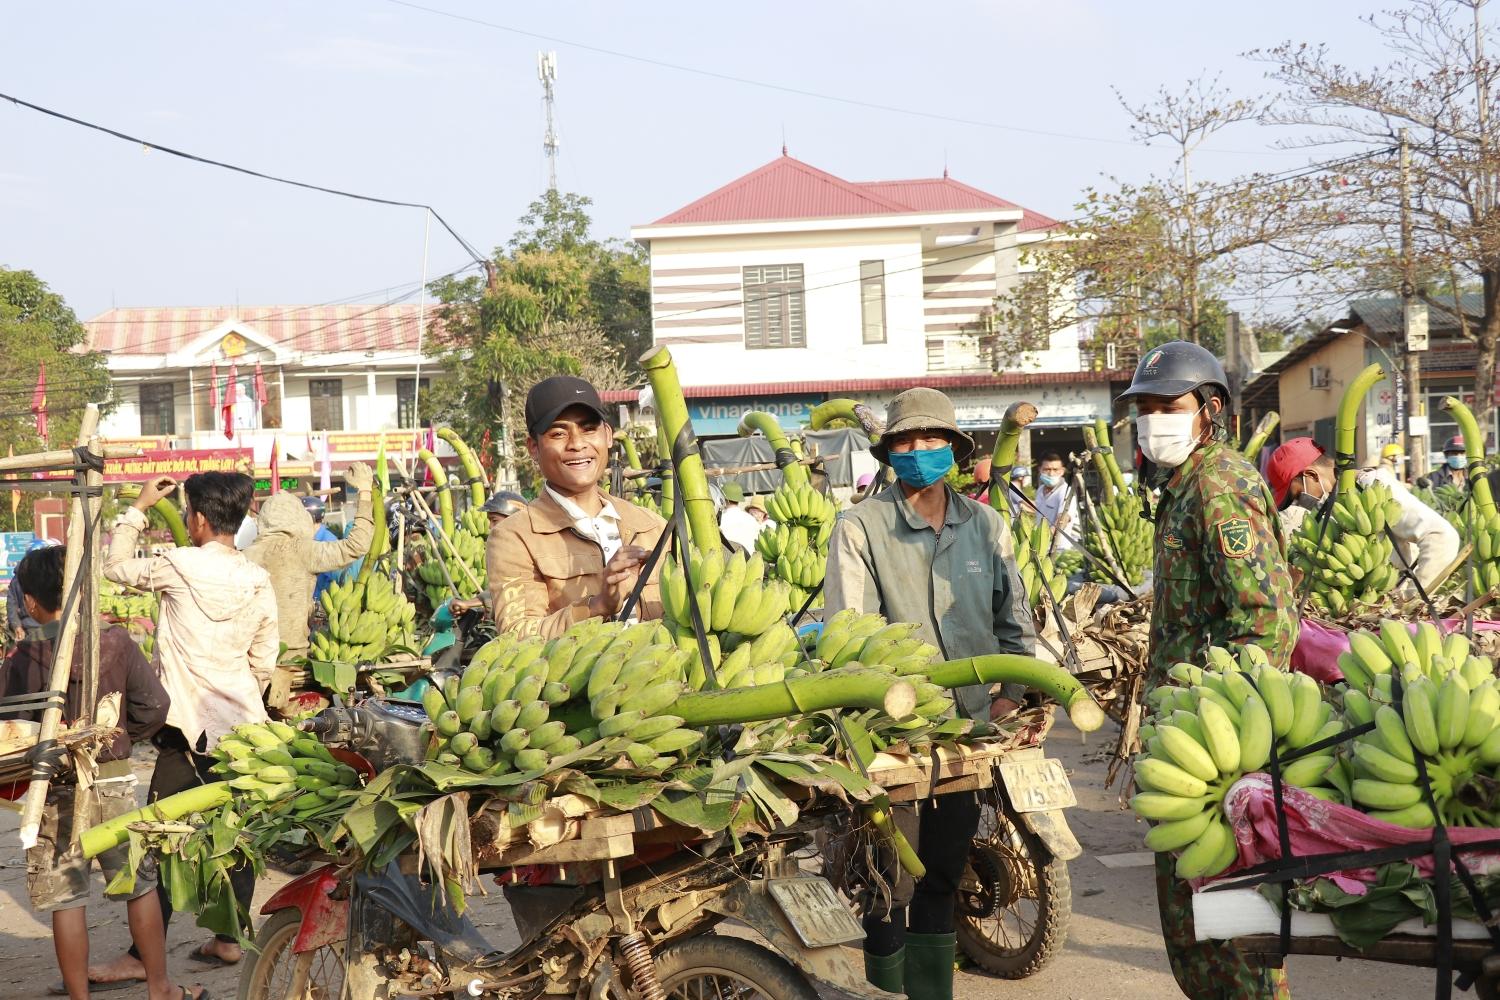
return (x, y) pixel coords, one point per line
(43, 461)
(62, 660)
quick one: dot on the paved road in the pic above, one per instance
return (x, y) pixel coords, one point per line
(1114, 951)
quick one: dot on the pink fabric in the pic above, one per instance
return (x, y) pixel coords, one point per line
(1319, 647)
(1318, 827)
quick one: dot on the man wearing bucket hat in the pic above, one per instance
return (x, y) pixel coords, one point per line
(919, 551)
(1302, 478)
(1219, 578)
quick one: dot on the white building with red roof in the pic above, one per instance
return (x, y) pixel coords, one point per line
(789, 285)
(310, 377)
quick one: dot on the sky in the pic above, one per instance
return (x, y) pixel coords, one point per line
(385, 99)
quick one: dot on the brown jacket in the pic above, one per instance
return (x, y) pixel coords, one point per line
(129, 694)
(542, 572)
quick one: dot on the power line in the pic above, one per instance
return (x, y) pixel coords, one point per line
(149, 145)
(798, 91)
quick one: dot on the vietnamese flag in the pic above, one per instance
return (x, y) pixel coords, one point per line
(228, 408)
(275, 461)
(39, 403)
(213, 387)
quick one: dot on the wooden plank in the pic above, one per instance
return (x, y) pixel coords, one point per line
(569, 851)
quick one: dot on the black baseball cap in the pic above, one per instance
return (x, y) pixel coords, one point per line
(551, 396)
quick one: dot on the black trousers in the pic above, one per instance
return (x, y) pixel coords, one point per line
(178, 769)
(945, 826)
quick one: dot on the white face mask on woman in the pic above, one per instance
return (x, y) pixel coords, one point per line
(1167, 439)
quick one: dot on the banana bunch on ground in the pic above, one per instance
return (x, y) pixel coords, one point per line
(366, 618)
(601, 687)
(1346, 558)
(469, 544)
(275, 763)
(1033, 540)
(735, 600)
(123, 603)
(1119, 534)
(1207, 734)
(1449, 716)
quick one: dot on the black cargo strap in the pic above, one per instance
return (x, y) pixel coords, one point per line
(32, 701)
(785, 457)
(645, 575)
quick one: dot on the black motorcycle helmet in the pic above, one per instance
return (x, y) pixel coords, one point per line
(1176, 369)
(504, 503)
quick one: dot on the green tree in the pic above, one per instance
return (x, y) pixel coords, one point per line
(553, 301)
(37, 327)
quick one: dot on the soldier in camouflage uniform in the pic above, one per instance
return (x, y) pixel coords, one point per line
(1220, 578)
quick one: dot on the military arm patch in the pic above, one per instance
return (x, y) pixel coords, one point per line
(1234, 537)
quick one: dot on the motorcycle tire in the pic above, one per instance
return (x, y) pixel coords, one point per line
(268, 970)
(1028, 923)
(715, 965)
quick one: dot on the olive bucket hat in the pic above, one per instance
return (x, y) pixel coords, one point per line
(923, 409)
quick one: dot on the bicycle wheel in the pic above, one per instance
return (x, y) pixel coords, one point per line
(275, 972)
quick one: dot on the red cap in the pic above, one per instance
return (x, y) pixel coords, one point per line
(1288, 462)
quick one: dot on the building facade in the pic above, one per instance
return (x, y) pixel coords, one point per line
(789, 286)
(304, 379)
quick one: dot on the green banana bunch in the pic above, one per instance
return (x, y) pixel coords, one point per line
(1208, 733)
(125, 603)
(796, 550)
(1346, 559)
(1118, 532)
(367, 618)
(1449, 715)
(476, 522)
(278, 764)
(1034, 561)
(732, 594)
(802, 505)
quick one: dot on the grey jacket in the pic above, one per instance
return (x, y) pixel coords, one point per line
(960, 586)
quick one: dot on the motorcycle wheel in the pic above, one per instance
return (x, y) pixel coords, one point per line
(710, 966)
(274, 972)
(1015, 900)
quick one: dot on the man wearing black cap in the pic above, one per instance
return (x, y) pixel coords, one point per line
(573, 553)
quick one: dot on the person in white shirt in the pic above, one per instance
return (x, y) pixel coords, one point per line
(1055, 499)
(1302, 477)
(736, 523)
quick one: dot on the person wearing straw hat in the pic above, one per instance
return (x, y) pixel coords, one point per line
(920, 551)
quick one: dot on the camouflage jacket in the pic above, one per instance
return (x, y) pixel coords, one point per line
(1221, 574)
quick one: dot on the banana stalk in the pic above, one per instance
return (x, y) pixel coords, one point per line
(1107, 453)
(627, 446)
(850, 687)
(672, 421)
(1484, 523)
(1261, 434)
(1003, 459)
(668, 476)
(851, 410)
(381, 541)
(1344, 425)
(1484, 499)
(199, 799)
(168, 511)
(472, 469)
(757, 420)
(1010, 668)
(1106, 482)
(444, 495)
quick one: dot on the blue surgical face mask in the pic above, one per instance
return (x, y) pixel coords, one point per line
(1050, 480)
(919, 469)
(1458, 461)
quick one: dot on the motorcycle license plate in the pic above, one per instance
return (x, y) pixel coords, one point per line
(814, 910)
(1037, 785)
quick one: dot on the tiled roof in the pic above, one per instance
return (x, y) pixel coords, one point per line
(978, 381)
(787, 189)
(317, 329)
(1386, 315)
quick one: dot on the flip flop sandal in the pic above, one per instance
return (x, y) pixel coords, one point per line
(203, 993)
(60, 989)
(205, 958)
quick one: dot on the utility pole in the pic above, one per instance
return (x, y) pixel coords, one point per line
(546, 71)
(1414, 326)
(1234, 353)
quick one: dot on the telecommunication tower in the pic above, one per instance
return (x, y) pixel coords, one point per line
(546, 71)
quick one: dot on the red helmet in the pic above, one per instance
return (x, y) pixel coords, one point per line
(1288, 462)
(1455, 443)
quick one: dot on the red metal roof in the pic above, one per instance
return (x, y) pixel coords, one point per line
(317, 329)
(1002, 379)
(786, 189)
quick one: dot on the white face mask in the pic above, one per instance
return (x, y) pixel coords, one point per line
(1167, 439)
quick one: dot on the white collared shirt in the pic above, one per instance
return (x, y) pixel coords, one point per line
(603, 529)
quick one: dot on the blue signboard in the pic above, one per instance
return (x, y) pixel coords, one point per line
(722, 416)
(16, 544)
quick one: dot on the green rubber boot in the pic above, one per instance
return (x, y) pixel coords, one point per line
(929, 966)
(885, 971)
